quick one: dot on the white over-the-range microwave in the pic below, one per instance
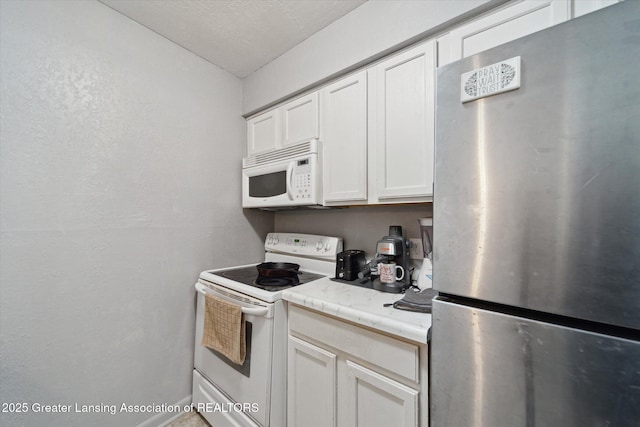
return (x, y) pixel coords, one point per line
(283, 178)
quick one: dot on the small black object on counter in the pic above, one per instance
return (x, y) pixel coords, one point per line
(349, 264)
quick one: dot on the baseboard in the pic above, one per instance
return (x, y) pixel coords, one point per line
(164, 418)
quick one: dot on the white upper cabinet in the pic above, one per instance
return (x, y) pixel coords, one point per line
(401, 126)
(294, 122)
(300, 119)
(501, 26)
(263, 132)
(378, 132)
(343, 118)
(582, 7)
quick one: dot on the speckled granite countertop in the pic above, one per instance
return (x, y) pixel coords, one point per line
(361, 306)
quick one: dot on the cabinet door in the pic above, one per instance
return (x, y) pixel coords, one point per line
(504, 25)
(374, 400)
(311, 380)
(344, 139)
(401, 136)
(582, 7)
(300, 119)
(263, 132)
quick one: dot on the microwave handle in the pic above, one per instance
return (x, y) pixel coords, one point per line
(290, 180)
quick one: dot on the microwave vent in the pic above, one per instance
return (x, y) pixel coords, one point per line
(308, 147)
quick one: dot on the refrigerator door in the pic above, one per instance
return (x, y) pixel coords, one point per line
(537, 190)
(496, 370)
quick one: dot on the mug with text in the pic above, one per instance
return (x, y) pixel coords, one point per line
(390, 273)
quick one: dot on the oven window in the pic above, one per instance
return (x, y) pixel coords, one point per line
(268, 185)
(245, 368)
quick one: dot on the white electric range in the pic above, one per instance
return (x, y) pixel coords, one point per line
(254, 394)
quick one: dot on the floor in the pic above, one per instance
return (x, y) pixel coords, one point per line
(192, 419)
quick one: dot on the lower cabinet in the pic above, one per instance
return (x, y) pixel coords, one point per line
(311, 395)
(341, 374)
(375, 400)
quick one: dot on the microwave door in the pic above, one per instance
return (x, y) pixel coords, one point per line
(268, 182)
(267, 185)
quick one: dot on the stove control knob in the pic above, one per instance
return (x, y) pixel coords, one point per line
(319, 245)
(327, 246)
(276, 240)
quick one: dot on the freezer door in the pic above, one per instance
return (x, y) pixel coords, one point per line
(493, 370)
(537, 190)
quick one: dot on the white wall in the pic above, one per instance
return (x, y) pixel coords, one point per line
(365, 34)
(120, 161)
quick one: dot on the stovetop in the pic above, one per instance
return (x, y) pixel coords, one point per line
(249, 276)
(315, 254)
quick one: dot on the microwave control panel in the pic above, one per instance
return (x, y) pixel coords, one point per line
(303, 185)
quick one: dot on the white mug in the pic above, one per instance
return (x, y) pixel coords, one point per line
(389, 273)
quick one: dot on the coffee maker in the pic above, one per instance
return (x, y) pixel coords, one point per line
(394, 248)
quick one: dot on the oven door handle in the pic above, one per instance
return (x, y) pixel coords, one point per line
(260, 311)
(255, 311)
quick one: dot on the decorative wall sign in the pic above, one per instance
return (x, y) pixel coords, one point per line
(496, 78)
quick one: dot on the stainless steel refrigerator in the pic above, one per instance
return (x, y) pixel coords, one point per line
(537, 230)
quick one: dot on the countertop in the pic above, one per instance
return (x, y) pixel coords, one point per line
(361, 306)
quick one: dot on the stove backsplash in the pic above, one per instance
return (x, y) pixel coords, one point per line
(360, 227)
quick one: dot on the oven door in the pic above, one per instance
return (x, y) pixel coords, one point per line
(246, 385)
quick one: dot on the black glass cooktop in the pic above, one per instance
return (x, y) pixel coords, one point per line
(249, 276)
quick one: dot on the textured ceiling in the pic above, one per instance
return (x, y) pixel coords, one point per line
(237, 35)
